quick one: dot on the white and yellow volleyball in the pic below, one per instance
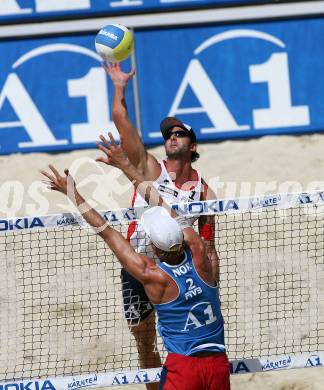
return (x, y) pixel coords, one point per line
(114, 43)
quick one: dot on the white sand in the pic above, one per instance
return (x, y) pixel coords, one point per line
(266, 165)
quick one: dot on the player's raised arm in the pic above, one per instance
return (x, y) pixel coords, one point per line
(138, 265)
(132, 143)
(115, 156)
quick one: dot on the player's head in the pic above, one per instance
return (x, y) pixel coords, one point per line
(165, 233)
(180, 139)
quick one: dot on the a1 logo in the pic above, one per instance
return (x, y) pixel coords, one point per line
(92, 87)
(274, 72)
(206, 316)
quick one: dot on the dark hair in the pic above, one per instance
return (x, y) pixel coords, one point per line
(194, 156)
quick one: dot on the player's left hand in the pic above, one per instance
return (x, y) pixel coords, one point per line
(114, 154)
(56, 182)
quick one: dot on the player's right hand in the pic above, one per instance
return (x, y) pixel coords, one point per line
(117, 76)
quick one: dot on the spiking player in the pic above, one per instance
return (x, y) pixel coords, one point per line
(181, 285)
(177, 181)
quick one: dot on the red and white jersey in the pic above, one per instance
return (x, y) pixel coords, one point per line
(172, 195)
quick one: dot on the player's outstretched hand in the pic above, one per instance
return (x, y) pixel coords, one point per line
(56, 182)
(116, 74)
(114, 154)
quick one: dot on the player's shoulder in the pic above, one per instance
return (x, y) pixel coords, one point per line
(153, 271)
(201, 262)
(153, 167)
(207, 193)
(204, 183)
(194, 244)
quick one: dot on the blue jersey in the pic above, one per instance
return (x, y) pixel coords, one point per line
(193, 321)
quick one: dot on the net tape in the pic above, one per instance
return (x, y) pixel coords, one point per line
(192, 209)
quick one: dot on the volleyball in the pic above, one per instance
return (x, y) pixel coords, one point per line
(114, 43)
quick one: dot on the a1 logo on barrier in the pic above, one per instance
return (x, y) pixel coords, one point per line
(53, 96)
(274, 72)
(257, 65)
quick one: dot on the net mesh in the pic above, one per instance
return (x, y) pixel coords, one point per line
(61, 302)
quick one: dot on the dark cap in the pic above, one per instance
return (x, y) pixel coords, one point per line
(171, 121)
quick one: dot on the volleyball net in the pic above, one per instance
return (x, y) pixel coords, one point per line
(62, 322)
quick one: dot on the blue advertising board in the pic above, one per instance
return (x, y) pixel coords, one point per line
(20, 10)
(54, 95)
(233, 81)
(227, 82)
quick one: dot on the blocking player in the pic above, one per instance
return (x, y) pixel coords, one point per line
(181, 285)
(177, 181)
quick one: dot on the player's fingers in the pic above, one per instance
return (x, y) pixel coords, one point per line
(102, 159)
(103, 149)
(50, 185)
(47, 183)
(104, 140)
(49, 176)
(112, 139)
(67, 173)
(132, 73)
(54, 170)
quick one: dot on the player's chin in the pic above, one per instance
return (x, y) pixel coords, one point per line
(174, 152)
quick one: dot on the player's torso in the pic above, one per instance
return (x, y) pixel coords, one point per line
(170, 192)
(171, 195)
(193, 321)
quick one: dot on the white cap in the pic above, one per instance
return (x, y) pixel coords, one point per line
(164, 231)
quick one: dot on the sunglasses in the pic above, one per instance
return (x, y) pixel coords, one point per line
(178, 134)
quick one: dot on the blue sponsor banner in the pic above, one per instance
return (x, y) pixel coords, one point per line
(227, 82)
(54, 95)
(19, 10)
(233, 81)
